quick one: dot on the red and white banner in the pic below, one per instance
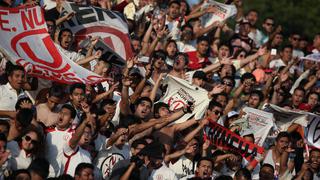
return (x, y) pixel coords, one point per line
(228, 140)
(25, 40)
(93, 21)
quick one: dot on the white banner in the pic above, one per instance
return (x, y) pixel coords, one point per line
(224, 11)
(313, 131)
(284, 117)
(312, 57)
(93, 21)
(180, 92)
(259, 123)
(25, 40)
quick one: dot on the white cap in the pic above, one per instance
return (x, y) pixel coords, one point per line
(232, 114)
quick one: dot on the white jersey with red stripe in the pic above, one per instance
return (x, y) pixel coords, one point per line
(73, 157)
(55, 141)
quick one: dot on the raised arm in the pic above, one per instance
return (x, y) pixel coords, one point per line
(193, 133)
(156, 87)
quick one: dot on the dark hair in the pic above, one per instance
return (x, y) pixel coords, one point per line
(137, 142)
(3, 138)
(314, 150)
(252, 10)
(269, 17)
(232, 68)
(231, 79)
(205, 159)
(16, 173)
(160, 54)
(300, 89)
(40, 166)
(20, 100)
(223, 177)
(213, 104)
(141, 99)
(215, 96)
(37, 150)
(283, 134)
(258, 93)
(56, 91)
(250, 135)
(286, 46)
(247, 76)
(185, 57)
(244, 172)
(107, 102)
(157, 107)
(203, 38)
(174, 2)
(62, 31)
(71, 109)
(81, 167)
(77, 86)
(5, 123)
(186, 26)
(24, 117)
(10, 68)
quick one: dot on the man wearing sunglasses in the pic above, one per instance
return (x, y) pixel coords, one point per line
(214, 111)
(294, 40)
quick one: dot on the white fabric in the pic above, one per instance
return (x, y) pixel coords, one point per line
(268, 159)
(257, 37)
(182, 167)
(55, 141)
(297, 53)
(163, 173)
(37, 52)
(19, 158)
(182, 47)
(73, 56)
(180, 92)
(108, 157)
(80, 156)
(8, 97)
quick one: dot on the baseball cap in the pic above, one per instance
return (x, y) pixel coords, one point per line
(200, 75)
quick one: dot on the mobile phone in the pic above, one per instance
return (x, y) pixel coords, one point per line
(273, 52)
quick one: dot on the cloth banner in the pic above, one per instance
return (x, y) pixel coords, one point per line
(26, 42)
(256, 122)
(180, 92)
(224, 11)
(93, 21)
(228, 140)
(284, 117)
(312, 134)
(312, 57)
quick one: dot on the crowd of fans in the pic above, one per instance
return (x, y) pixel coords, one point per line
(118, 130)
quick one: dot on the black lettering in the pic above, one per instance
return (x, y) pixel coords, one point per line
(233, 139)
(88, 12)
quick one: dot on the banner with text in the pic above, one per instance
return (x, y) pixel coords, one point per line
(180, 92)
(26, 42)
(228, 140)
(223, 12)
(92, 21)
(256, 122)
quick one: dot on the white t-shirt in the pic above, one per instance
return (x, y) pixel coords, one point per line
(163, 173)
(108, 157)
(73, 56)
(268, 159)
(55, 141)
(276, 63)
(8, 97)
(19, 158)
(73, 157)
(182, 167)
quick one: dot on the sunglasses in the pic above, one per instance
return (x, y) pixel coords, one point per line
(296, 39)
(218, 113)
(28, 139)
(227, 83)
(269, 24)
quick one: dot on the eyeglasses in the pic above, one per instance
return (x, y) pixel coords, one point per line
(218, 113)
(28, 139)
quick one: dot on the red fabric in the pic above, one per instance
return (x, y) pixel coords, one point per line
(195, 62)
(120, 7)
(68, 160)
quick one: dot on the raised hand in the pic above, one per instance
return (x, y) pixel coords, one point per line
(98, 54)
(262, 50)
(26, 104)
